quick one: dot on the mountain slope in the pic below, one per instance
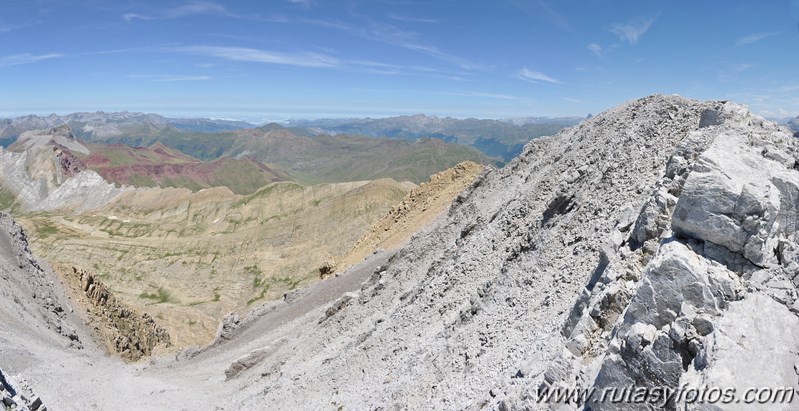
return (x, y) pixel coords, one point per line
(44, 342)
(417, 210)
(159, 166)
(188, 258)
(156, 166)
(651, 247)
(324, 158)
(562, 269)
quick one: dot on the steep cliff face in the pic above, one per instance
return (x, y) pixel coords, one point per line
(642, 247)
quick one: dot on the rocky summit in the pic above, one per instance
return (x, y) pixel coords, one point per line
(652, 246)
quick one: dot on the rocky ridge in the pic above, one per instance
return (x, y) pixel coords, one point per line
(642, 247)
(416, 210)
(124, 331)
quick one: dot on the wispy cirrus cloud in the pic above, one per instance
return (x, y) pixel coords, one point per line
(169, 77)
(731, 73)
(535, 76)
(482, 95)
(540, 9)
(189, 9)
(26, 58)
(632, 31)
(304, 3)
(596, 49)
(753, 38)
(390, 34)
(410, 19)
(305, 59)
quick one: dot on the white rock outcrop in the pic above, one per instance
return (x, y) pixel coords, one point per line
(43, 177)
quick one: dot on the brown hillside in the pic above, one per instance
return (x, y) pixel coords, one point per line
(187, 259)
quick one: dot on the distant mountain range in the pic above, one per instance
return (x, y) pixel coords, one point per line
(322, 158)
(306, 155)
(793, 124)
(100, 126)
(499, 139)
(209, 125)
(495, 138)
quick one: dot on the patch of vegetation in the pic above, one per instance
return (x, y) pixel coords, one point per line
(291, 283)
(260, 296)
(256, 273)
(244, 177)
(160, 296)
(46, 229)
(7, 199)
(141, 180)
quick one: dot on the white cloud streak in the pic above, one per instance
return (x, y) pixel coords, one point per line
(540, 9)
(536, 77)
(482, 95)
(409, 19)
(169, 77)
(188, 9)
(262, 56)
(26, 58)
(392, 35)
(632, 31)
(753, 38)
(596, 49)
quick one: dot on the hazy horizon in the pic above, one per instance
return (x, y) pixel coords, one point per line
(257, 118)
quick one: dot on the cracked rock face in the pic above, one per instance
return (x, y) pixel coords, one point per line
(740, 195)
(713, 304)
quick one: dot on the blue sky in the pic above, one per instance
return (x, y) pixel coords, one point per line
(278, 59)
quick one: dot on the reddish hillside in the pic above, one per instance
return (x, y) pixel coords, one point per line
(160, 166)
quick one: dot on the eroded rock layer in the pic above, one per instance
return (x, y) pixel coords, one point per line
(125, 332)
